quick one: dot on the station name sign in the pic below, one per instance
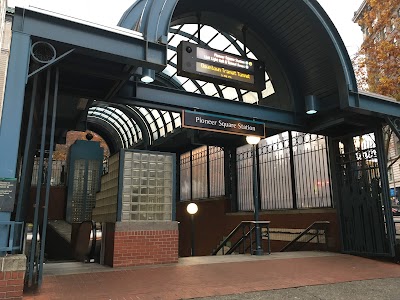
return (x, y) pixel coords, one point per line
(217, 123)
(220, 67)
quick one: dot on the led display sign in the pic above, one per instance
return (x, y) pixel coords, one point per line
(220, 67)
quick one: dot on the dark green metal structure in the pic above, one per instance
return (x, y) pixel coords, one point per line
(83, 72)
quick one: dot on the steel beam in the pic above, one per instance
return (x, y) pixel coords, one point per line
(150, 17)
(373, 105)
(174, 100)
(111, 43)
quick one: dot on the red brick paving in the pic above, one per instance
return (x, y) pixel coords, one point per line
(180, 282)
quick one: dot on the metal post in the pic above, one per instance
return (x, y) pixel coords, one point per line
(258, 250)
(39, 182)
(19, 214)
(12, 116)
(292, 171)
(49, 170)
(192, 234)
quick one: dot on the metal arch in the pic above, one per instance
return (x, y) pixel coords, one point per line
(137, 119)
(139, 113)
(105, 131)
(150, 17)
(107, 117)
(111, 118)
(229, 38)
(131, 130)
(106, 121)
(337, 42)
(149, 112)
(162, 120)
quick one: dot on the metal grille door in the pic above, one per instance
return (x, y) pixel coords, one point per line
(365, 230)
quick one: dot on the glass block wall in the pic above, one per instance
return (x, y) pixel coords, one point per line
(139, 186)
(148, 186)
(107, 199)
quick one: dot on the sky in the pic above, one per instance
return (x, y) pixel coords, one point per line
(100, 11)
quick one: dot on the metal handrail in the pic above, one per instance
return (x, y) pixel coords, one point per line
(11, 236)
(316, 225)
(244, 236)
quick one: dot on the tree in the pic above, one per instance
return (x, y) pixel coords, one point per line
(377, 63)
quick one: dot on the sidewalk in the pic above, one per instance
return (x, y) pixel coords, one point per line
(213, 276)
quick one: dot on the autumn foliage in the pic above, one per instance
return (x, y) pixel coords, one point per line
(377, 64)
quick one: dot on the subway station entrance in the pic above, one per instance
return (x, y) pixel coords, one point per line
(316, 180)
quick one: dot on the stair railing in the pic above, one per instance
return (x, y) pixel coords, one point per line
(314, 231)
(246, 228)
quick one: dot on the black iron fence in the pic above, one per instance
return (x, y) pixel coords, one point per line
(58, 172)
(202, 173)
(292, 173)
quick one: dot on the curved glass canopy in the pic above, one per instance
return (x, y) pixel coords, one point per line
(133, 122)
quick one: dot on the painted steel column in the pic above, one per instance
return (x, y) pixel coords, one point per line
(49, 170)
(333, 149)
(13, 103)
(24, 179)
(292, 171)
(230, 176)
(39, 182)
(259, 250)
(12, 114)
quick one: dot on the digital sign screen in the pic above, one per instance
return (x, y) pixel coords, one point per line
(220, 67)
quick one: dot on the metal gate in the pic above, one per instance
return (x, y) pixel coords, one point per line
(363, 195)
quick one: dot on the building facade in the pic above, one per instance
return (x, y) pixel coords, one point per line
(5, 41)
(383, 26)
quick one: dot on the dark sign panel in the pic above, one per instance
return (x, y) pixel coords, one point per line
(8, 187)
(210, 122)
(220, 67)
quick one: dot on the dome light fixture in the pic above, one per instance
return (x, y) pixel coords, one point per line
(311, 104)
(148, 75)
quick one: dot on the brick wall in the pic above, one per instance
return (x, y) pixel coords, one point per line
(12, 276)
(145, 243)
(213, 221)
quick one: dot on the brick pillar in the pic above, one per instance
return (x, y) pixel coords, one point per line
(12, 274)
(145, 243)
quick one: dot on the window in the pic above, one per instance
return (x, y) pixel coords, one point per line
(390, 174)
(196, 181)
(398, 147)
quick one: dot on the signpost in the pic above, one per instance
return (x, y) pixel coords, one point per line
(220, 67)
(218, 123)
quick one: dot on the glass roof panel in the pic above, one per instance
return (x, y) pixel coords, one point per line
(250, 97)
(189, 28)
(210, 89)
(269, 90)
(175, 41)
(232, 49)
(230, 93)
(219, 42)
(207, 33)
(189, 86)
